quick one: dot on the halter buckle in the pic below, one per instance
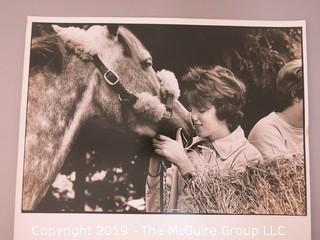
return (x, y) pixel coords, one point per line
(111, 77)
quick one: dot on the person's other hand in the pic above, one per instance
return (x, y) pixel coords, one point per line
(173, 151)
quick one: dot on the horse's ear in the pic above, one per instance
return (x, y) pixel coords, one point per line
(47, 51)
(56, 28)
(113, 29)
(40, 29)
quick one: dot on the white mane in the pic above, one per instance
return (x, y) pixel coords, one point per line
(85, 43)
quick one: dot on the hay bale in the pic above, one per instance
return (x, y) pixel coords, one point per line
(275, 186)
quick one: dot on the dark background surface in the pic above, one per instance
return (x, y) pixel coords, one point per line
(13, 23)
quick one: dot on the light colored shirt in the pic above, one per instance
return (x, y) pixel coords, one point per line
(274, 137)
(231, 153)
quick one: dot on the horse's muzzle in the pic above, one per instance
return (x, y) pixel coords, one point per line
(169, 128)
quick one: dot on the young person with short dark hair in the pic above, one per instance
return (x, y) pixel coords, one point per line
(216, 98)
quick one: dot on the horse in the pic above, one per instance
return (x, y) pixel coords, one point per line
(66, 90)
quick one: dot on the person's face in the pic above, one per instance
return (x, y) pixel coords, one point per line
(207, 124)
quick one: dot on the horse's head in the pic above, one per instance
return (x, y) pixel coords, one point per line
(155, 107)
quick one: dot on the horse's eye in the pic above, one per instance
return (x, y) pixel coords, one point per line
(147, 63)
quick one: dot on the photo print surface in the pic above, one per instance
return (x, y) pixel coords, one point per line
(165, 118)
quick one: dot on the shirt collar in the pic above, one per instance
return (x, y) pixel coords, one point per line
(229, 144)
(225, 146)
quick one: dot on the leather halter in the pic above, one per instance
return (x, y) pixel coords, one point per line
(124, 95)
(128, 99)
(114, 82)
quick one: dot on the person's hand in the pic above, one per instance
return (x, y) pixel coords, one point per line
(173, 151)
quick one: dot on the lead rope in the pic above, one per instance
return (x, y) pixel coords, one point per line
(163, 187)
(163, 171)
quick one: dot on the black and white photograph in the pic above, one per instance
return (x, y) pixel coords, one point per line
(165, 118)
